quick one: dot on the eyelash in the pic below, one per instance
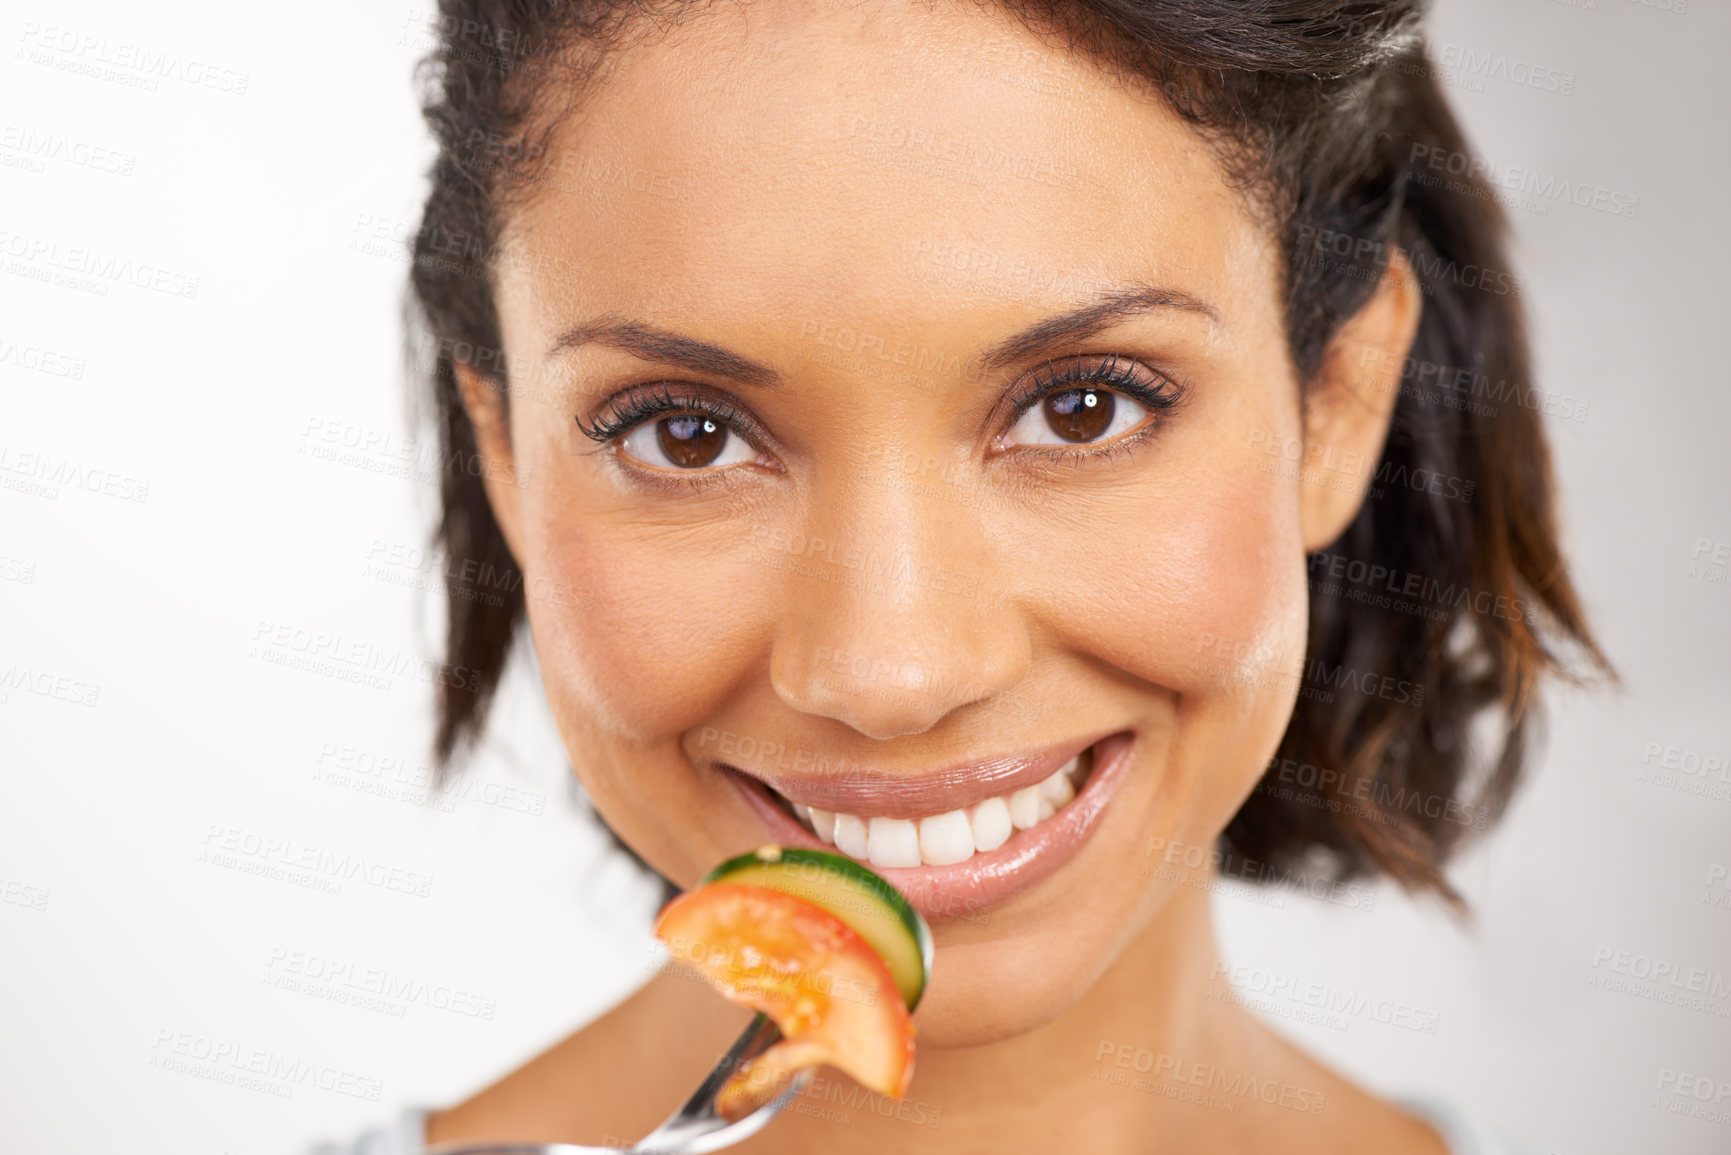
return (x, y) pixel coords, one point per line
(1115, 372)
(642, 403)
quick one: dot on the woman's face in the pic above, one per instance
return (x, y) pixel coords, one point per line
(956, 368)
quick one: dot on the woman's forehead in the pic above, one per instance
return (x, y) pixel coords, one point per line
(857, 160)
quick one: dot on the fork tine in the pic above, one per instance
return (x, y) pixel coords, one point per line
(759, 1035)
(708, 1135)
(695, 1128)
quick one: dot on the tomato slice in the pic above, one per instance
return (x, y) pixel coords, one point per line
(831, 994)
(853, 893)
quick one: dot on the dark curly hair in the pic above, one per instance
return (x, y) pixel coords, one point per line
(1452, 599)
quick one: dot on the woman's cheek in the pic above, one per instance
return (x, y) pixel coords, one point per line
(649, 632)
(1247, 625)
(1201, 593)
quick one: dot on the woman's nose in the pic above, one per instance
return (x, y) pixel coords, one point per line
(897, 611)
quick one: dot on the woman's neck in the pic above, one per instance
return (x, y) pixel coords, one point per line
(1092, 1079)
(1156, 1056)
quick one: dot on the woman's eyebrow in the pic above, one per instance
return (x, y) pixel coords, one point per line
(656, 344)
(1083, 322)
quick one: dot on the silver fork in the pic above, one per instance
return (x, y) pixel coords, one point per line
(694, 1129)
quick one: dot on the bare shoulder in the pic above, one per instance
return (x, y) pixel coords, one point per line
(612, 1080)
(1309, 1108)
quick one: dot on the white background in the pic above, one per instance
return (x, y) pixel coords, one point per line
(128, 949)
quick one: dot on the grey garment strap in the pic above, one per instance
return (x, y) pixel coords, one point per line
(412, 1129)
(407, 1135)
(1463, 1135)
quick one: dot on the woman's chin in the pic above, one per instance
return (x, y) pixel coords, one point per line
(979, 996)
(954, 1025)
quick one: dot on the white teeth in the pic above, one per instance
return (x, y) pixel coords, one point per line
(946, 839)
(892, 842)
(990, 823)
(1025, 807)
(1057, 789)
(850, 835)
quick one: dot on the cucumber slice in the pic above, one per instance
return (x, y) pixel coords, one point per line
(851, 892)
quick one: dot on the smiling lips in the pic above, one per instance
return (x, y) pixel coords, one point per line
(957, 839)
(955, 835)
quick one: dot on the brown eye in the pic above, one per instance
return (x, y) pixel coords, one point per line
(1079, 414)
(686, 441)
(690, 442)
